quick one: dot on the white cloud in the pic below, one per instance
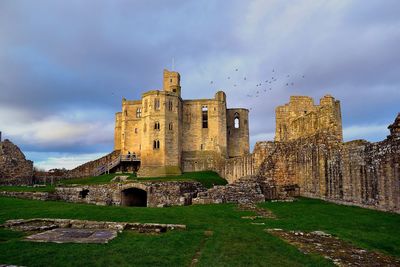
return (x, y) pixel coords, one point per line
(59, 130)
(68, 161)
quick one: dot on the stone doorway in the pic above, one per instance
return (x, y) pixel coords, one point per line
(134, 197)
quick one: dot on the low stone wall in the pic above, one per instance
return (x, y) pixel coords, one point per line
(14, 168)
(150, 194)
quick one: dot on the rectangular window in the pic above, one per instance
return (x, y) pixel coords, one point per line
(204, 111)
(145, 105)
(138, 112)
(157, 104)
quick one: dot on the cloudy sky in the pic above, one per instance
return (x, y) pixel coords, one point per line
(66, 64)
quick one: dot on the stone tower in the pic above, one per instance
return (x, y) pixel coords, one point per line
(162, 129)
(301, 118)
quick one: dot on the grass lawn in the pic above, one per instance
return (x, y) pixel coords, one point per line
(235, 241)
(207, 178)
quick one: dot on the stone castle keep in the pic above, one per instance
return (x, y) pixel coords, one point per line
(170, 135)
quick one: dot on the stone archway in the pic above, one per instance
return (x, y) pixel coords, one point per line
(134, 197)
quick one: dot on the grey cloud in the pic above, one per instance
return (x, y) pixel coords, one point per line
(61, 56)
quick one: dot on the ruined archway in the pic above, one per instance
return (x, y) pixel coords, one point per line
(134, 197)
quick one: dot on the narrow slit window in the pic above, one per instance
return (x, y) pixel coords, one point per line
(157, 126)
(170, 126)
(170, 105)
(204, 111)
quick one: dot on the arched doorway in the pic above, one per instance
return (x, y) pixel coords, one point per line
(134, 197)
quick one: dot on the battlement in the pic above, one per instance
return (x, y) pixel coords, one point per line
(302, 118)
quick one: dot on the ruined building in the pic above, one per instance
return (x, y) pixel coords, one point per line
(15, 169)
(169, 135)
(301, 118)
(309, 154)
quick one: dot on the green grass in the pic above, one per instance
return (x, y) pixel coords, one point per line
(102, 179)
(235, 242)
(367, 228)
(207, 178)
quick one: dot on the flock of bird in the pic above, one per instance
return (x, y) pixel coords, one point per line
(261, 86)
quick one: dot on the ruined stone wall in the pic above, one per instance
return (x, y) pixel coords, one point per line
(301, 118)
(357, 172)
(14, 168)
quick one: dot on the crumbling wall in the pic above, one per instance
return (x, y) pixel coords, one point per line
(14, 168)
(357, 172)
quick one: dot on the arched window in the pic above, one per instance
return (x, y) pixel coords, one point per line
(170, 126)
(157, 126)
(236, 122)
(156, 144)
(204, 112)
(145, 105)
(170, 105)
(138, 112)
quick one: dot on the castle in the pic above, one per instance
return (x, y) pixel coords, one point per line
(169, 135)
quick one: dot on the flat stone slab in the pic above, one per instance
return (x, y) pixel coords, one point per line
(74, 235)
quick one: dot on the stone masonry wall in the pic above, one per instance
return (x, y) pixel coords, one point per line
(357, 172)
(158, 194)
(14, 168)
